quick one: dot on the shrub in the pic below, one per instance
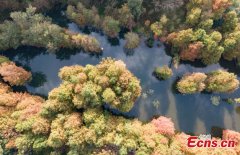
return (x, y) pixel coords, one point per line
(163, 72)
(215, 100)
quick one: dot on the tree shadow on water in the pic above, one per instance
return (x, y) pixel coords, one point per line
(231, 66)
(217, 131)
(114, 41)
(65, 54)
(38, 79)
(129, 52)
(24, 53)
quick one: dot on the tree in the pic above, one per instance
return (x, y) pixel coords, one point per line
(167, 5)
(208, 32)
(41, 5)
(230, 21)
(10, 35)
(197, 44)
(231, 135)
(13, 104)
(132, 40)
(3, 59)
(135, 7)
(125, 17)
(212, 50)
(193, 16)
(111, 27)
(220, 5)
(71, 12)
(13, 74)
(231, 45)
(44, 35)
(83, 16)
(63, 127)
(219, 81)
(25, 126)
(192, 83)
(206, 24)
(31, 29)
(124, 88)
(193, 51)
(181, 38)
(164, 125)
(88, 43)
(108, 95)
(159, 27)
(222, 82)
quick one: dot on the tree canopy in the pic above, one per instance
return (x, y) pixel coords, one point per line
(32, 29)
(13, 74)
(218, 81)
(208, 32)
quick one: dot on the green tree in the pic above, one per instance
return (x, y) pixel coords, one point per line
(206, 24)
(212, 51)
(231, 45)
(230, 21)
(135, 7)
(32, 29)
(111, 27)
(125, 17)
(159, 27)
(44, 35)
(10, 35)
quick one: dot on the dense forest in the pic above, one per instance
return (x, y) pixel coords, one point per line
(79, 116)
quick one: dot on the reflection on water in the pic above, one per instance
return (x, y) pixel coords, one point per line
(38, 79)
(190, 113)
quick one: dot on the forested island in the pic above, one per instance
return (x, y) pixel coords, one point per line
(90, 111)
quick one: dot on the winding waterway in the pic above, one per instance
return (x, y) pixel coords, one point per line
(190, 113)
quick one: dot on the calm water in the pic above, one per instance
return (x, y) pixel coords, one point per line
(190, 113)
